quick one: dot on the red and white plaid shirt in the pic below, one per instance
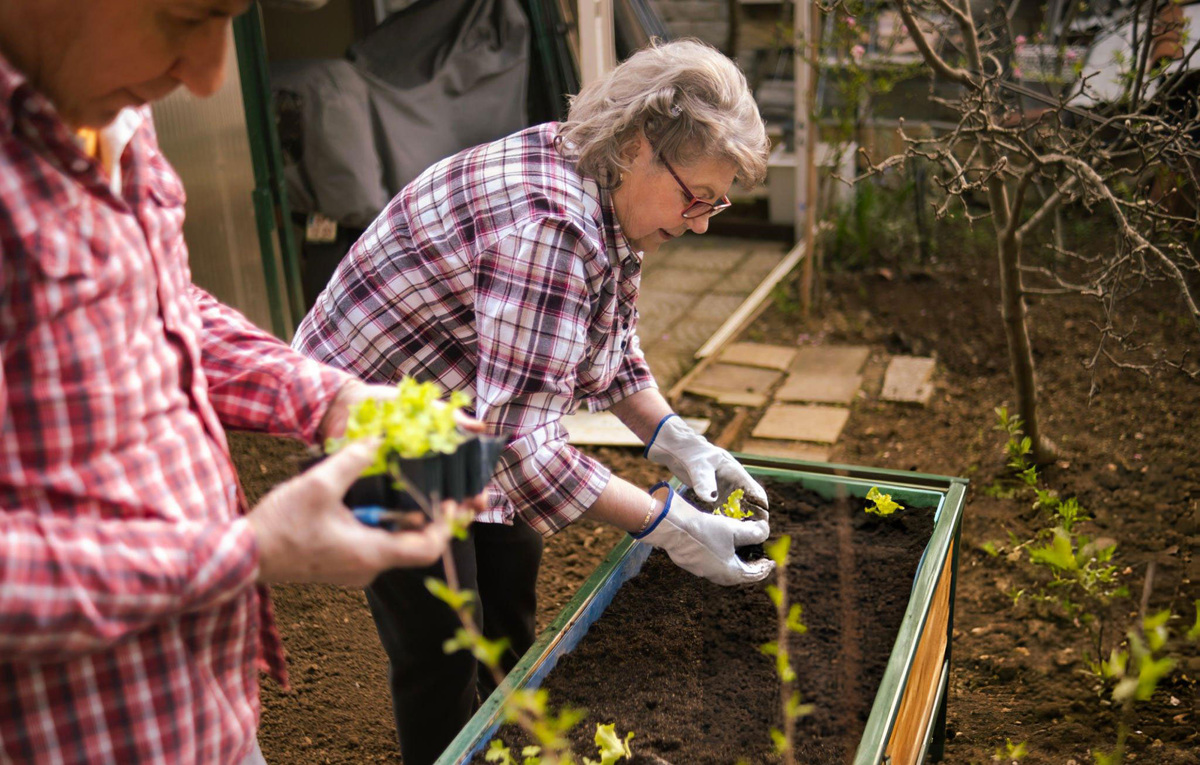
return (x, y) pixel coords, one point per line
(501, 272)
(129, 627)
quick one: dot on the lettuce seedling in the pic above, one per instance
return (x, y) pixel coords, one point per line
(733, 506)
(883, 505)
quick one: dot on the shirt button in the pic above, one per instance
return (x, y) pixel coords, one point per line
(79, 165)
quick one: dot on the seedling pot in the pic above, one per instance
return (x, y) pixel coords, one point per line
(461, 474)
(907, 719)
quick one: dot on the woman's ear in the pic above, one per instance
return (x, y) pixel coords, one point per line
(634, 149)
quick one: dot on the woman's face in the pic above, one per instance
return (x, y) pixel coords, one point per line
(649, 202)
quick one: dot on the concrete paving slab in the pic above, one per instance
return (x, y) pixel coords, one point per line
(720, 379)
(668, 366)
(686, 280)
(788, 450)
(749, 273)
(758, 355)
(909, 379)
(716, 260)
(657, 311)
(831, 360)
(605, 429)
(802, 422)
(819, 388)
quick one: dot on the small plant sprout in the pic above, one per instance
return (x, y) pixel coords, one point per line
(415, 423)
(789, 622)
(529, 709)
(883, 504)
(1137, 671)
(1010, 752)
(1018, 448)
(612, 747)
(733, 506)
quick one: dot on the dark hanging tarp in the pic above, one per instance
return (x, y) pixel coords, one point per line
(437, 77)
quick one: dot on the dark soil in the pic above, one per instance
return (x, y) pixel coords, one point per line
(675, 658)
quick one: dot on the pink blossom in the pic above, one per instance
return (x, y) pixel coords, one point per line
(1020, 41)
(1071, 55)
(1016, 72)
(857, 53)
(850, 22)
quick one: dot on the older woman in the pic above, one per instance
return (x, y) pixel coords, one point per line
(510, 271)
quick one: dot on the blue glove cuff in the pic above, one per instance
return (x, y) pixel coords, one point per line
(666, 509)
(646, 451)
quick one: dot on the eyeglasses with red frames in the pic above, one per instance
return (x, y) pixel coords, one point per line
(697, 208)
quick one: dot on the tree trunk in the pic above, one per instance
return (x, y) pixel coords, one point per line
(1012, 295)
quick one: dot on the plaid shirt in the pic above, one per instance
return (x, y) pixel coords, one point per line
(501, 272)
(129, 627)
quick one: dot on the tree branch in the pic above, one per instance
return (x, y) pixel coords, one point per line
(931, 57)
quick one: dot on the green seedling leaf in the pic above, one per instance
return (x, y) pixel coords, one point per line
(990, 548)
(775, 594)
(1193, 633)
(778, 550)
(733, 506)
(793, 620)
(612, 748)
(1058, 555)
(1010, 751)
(795, 709)
(779, 740)
(1150, 672)
(413, 424)
(531, 752)
(499, 753)
(456, 599)
(883, 503)
(489, 652)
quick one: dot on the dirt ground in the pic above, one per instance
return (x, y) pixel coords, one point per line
(1129, 453)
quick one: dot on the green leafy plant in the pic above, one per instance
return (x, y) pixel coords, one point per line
(1010, 752)
(733, 506)
(789, 617)
(529, 709)
(883, 504)
(415, 423)
(1018, 448)
(1137, 671)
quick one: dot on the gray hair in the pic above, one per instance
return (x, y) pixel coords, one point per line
(686, 97)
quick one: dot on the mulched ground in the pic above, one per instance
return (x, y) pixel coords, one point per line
(1130, 455)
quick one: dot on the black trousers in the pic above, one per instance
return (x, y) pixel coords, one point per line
(433, 694)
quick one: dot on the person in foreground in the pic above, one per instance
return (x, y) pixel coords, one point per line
(510, 271)
(134, 615)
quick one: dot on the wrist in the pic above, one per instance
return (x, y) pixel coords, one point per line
(658, 509)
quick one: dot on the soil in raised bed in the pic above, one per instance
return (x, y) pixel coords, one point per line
(676, 658)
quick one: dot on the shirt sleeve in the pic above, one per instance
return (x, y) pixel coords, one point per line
(531, 313)
(71, 586)
(258, 383)
(633, 376)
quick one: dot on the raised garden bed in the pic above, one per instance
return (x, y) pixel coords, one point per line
(677, 659)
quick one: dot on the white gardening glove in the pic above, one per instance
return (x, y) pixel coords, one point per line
(712, 472)
(705, 544)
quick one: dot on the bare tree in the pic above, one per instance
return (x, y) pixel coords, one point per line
(1132, 159)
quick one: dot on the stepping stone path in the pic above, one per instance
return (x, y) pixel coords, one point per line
(735, 385)
(908, 379)
(797, 383)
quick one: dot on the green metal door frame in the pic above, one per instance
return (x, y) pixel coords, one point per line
(271, 210)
